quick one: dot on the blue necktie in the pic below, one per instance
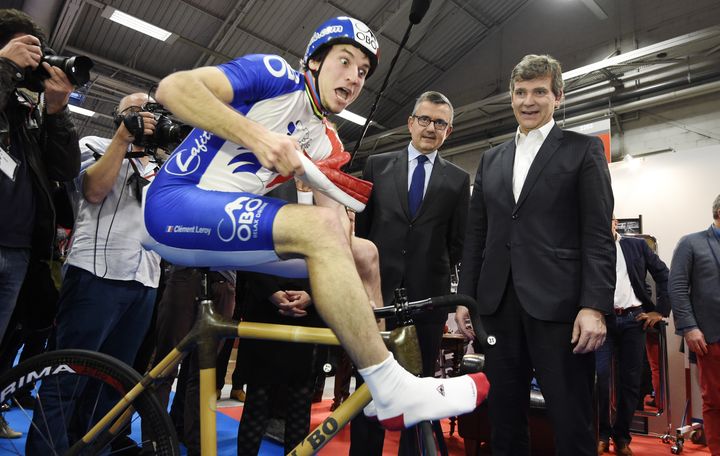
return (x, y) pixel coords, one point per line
(417, 185)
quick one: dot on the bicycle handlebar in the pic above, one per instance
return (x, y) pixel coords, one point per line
(426, 305)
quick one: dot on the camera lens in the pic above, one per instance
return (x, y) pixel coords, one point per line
(76, 68)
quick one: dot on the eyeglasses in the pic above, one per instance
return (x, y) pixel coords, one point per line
(424, 121)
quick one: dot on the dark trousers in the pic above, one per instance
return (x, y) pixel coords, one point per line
(177, 311)
(525, 347)
(109, 316)
(626, 340)
(367, 436)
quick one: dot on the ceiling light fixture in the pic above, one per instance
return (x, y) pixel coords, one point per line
(81, 111)
(645, 52)
(352, 117)
(138, 25)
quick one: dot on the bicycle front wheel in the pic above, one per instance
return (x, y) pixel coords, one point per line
(56, 397)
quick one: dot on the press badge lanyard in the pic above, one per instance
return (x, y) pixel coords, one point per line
(8, 164)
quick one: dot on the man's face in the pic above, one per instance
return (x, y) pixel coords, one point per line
(614, 227)
(428, 139)
(534, 103)
(342, 76)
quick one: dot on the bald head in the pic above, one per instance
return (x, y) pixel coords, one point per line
(134, 99)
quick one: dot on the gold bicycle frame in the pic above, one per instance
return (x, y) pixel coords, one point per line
(205, 334)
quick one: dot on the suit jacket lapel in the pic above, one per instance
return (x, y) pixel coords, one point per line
(547, 150)
(714, 244)
(508, 159)
(400, 170)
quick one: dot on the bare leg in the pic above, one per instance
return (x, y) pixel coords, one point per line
(364, 252)
(338, 293)
(400, 399)
(367, 262)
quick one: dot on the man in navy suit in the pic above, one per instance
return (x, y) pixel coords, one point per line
(695, 296)
(416, 216)
(634, 313)
(539, 259)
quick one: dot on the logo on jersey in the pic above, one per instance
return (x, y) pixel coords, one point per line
(301, 133)
(186, 160)
(247, 162)
(244, 216)
(279, 68)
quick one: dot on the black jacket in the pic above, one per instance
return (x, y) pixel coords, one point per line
(556, 240)
(640, 260)
(51, 152)
(415, 253)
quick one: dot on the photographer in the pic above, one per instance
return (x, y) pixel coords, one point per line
(108, 293)
(38, 144)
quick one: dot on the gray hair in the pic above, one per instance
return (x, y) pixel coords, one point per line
(716, 208)
(537, 66)
(434, 98)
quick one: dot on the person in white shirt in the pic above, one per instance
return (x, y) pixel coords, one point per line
(108, 292)
(634, 313)
(539, 258)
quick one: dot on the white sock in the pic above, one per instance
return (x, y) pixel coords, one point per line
(402, 400)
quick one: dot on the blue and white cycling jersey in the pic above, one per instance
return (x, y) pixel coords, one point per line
(204, 208)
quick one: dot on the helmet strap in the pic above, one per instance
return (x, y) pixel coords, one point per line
(312, 83)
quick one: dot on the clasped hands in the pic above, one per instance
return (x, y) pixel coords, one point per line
(291, 303)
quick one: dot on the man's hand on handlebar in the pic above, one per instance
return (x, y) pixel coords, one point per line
(464, 324)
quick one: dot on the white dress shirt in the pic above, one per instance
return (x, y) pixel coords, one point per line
(624, 294)
(107, 236)
(526, 148)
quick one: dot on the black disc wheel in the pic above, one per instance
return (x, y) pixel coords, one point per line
(56, 397)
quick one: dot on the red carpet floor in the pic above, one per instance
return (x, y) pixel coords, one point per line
(641, 445)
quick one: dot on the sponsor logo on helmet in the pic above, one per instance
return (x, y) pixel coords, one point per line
(326, 31)
(365, 36)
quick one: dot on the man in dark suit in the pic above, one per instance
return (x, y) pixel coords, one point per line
(695, 297)
(634, 313)
(416, 217)
(539, 259)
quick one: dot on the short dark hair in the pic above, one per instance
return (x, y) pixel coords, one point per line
(435, 98)
(537, 66)
(14, 21)
(319, 56)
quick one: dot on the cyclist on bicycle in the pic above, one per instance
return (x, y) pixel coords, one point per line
(257, 122)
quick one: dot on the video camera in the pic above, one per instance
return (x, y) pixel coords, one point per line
(168, 133)
(76, 68)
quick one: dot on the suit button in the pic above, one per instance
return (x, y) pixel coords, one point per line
(403, 251)
(515, 217)
(507, 245)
